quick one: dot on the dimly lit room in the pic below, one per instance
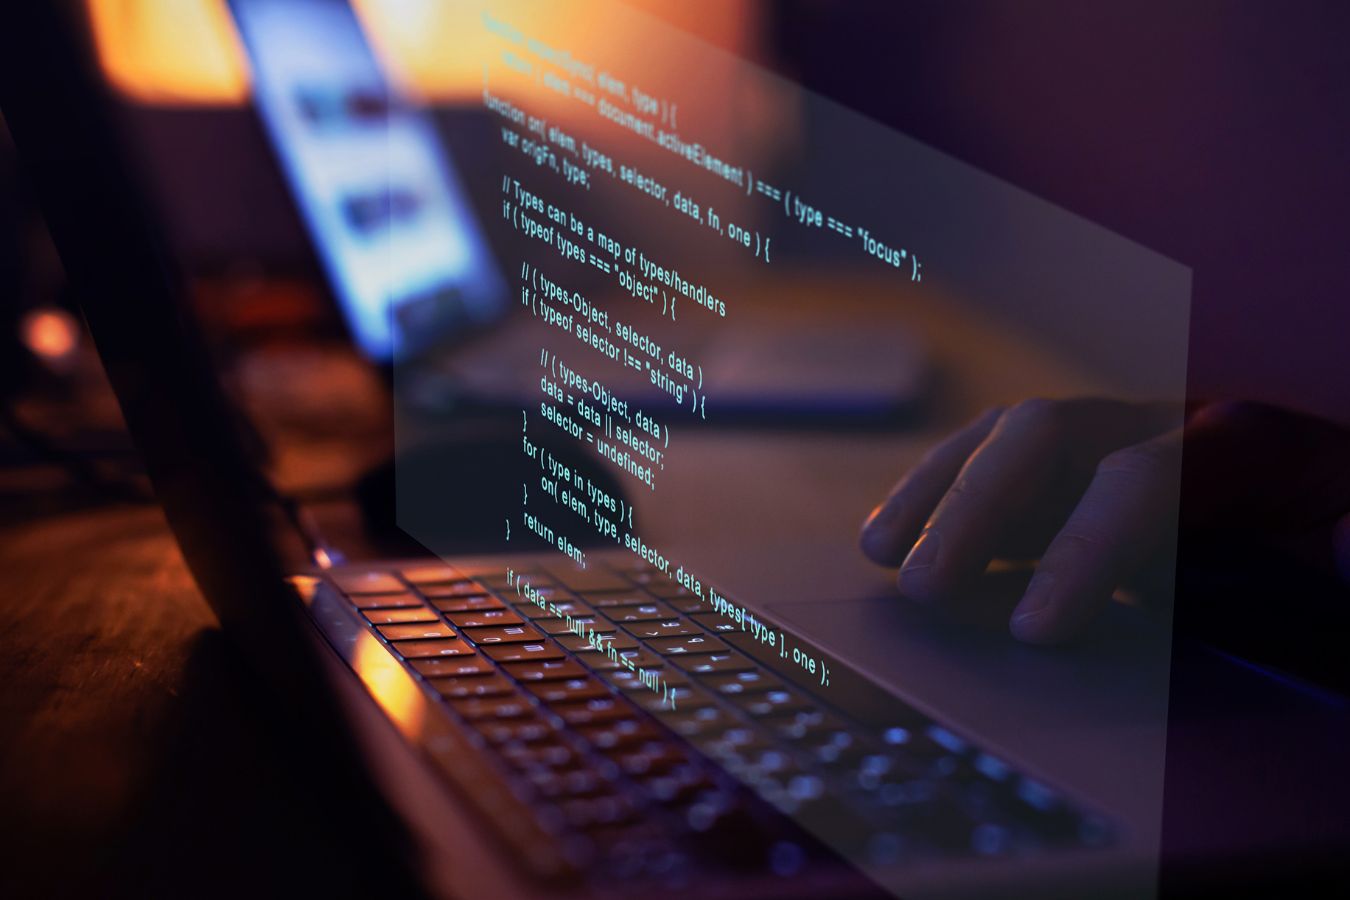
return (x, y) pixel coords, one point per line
(510, 449)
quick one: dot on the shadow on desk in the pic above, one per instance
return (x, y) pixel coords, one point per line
(138, 755)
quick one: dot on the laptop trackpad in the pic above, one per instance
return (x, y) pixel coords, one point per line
(1091, 718)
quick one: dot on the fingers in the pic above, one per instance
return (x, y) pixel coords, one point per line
(1129, 507)
(892, 527)
(999, 482)
(998, 485)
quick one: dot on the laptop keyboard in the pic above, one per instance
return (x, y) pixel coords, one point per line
(743, 768)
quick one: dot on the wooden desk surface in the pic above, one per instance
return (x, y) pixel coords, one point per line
(134, 759)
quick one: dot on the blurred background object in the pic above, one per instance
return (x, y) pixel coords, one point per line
(61, 438)
(1209, 132)
(186, 53)
(1214, 123)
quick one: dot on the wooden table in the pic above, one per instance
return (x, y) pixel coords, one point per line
(134, 756)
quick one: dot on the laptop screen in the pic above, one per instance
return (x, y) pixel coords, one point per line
(401, 246)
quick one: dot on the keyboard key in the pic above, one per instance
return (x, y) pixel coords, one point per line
(578, 644)
(385, 601)
(755, 681)
(677, 784)
(600, 663)
(797, 726)
(671, 591)
(843, 748)
(468, 604)
(768, 761)
(585, 783)
(483, 617)
(641, 658)
(607, 810)
(700, 643)
(570, 691)
(695, 723)
(545, 594)
(462, 588)
(587, 624)
(429, 649)
(772, 702)
(544, 670)
(650, 758)
(397, 615)
(736, 748)
(642, 612)
(716, 623)
(477, 708)
(503, 634)
(485, 569)
(678, 698)
(431, 573)
(453, 666)
(504, 653)
(712, 663)
(595, 711)
(498, 581)
(630, 682)
(627, 659)
(542, 754)
(416, 631)
(690, 605)
(553, 627)
(992, 768)
(472, 686)
(622, 733)
(621, 598)
(556, 609)
(576, 783)
(663, 628)
(523, 731)
(356, 583)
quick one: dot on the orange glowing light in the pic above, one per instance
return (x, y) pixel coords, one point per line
(434, 49)
(181, 53)
(50, 334)
(187, 53)
(392, 688)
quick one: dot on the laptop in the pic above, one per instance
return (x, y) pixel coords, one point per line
(538, 728)
(412, 271)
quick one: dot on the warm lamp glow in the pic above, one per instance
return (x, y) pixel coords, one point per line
(50, 334)
(170, 52)
(186, 52)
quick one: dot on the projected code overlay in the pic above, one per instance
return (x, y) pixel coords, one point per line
(619, 385)
(655, 120)
(700, 272)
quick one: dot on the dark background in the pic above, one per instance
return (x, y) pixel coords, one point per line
(1212, 132)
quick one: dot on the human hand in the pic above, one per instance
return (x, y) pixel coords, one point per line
(1092, 488)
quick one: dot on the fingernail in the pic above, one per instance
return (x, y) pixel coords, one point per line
(874, 518)
(877, 536)
(1025, 618)
(914, 570)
